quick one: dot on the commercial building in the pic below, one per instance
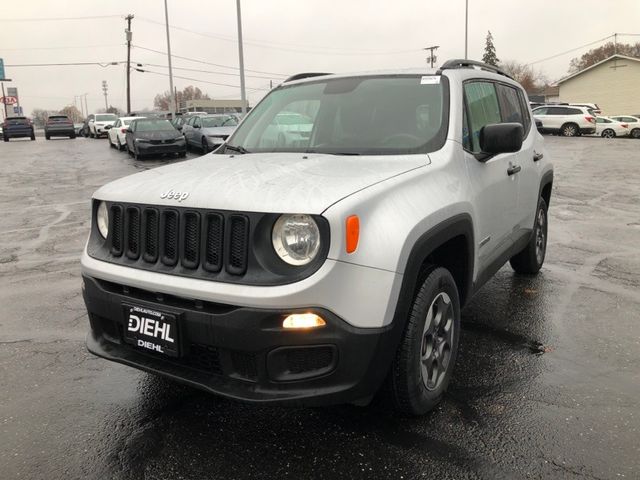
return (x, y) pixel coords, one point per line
(211, 106)
(613, 83)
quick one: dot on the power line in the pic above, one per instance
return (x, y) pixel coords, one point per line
(283, 46)
(570, 51)
(200, 81)
(63, 48)
(55, 19)
(209, 63)
(204, 71)
(103, 65)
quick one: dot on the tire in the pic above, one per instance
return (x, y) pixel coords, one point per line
(72, 136)
(90, 134)
(136, 155)
(608, 133)
(118, 144)
(6, 139)
(530, 259)
(47, 137)
(635, 133)
(426, 356)
(129, 151)
(182, 154)
(33, 137)
(205, 146)
(569, 130)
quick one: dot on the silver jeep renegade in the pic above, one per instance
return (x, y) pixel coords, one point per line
(323, 253)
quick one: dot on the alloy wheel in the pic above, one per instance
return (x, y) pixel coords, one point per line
(541, 235)
(437, 341)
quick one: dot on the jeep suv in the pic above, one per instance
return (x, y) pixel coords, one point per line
(568, 121)
(319, 270)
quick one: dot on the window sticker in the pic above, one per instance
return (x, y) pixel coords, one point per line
(430, 80)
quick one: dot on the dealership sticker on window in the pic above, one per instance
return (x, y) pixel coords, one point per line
(430, 80)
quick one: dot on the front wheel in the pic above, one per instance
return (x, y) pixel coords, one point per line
(33, 137)
(205, 146)
(424, 362)
(530, 259)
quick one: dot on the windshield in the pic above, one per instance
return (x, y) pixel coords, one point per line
(154, 126)
(221, 121)
(106, 118)
(378, 115)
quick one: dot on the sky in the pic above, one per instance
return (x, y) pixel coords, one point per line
(281, 37)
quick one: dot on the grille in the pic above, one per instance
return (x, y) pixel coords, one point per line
(300, 360)
(181, 239)
(204, 358)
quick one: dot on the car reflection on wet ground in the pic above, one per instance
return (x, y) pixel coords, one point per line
(547, 382)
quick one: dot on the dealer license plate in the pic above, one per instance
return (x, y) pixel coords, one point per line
(150, 329)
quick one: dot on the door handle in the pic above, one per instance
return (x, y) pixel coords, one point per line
(537, 156)
(513, 169)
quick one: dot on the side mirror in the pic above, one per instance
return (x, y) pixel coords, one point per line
(179, 128)
(538, 124)
(500, 138)
(129, 130)
(196, 126)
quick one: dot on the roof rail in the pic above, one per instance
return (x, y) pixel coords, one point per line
(460, 63)
(300, 76)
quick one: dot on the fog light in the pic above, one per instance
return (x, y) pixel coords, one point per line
(303, 320)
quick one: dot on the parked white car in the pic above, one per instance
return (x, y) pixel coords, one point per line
(633, 122)
(566, 120)
(118, 131)
(98, 122)
(609, 128)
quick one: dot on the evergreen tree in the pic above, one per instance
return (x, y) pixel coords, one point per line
(489, 56)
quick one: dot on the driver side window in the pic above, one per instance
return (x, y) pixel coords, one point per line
(196, 122)
(482, 107)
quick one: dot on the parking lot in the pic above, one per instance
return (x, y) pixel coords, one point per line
(547, 382)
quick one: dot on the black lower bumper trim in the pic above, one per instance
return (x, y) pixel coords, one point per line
(244, 353)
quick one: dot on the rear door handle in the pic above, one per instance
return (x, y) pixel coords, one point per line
(537, 156)
(513, 169)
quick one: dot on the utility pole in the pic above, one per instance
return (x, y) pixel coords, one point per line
(466, 29)
(129, 36)
(615, 43)
(432, 58)
(172, 107)
(104, 91)
(243, 93)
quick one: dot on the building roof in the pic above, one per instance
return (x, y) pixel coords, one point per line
(612, 57)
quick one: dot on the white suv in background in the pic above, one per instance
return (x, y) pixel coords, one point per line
(632, 121)
(566, 120)
(609, 128)
(98, 123)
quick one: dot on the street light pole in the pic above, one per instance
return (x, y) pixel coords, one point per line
(128, 34)
(173, 105)
(243, 93)
(466, 29)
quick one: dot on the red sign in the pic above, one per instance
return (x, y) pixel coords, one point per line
(8, 100)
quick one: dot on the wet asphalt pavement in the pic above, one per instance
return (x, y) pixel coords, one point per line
(547, 382)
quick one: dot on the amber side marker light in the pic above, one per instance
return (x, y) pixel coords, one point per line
(303, 320)
(353, 233)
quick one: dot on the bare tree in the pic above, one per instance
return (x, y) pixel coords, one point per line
(39, 116)
(596, 55)
(533, 81)
(73, 113)
(162, 101)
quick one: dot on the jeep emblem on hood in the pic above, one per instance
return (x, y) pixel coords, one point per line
(173, 195)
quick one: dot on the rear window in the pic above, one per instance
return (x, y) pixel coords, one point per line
(59, 118)
(17, 120)
(106, 118)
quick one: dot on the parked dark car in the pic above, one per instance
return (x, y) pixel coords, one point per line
(17, 127)
(154, 136)
(59, 126)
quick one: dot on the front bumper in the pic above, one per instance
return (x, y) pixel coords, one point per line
(160, 148)
(244, 353)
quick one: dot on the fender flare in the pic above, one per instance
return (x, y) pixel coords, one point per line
(547, 178)
(427, 243)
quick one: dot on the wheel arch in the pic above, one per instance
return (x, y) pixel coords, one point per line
(441, 246)
(546, 185)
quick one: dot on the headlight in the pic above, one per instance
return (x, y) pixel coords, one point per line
(102, 219)
(216, 139)
(142, 140)
(296, 239)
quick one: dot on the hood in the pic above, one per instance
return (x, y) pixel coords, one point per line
(218, 130)
(260, 182)
(158, 135)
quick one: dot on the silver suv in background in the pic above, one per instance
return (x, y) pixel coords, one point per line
(322, 269)
(566, 120)
(208, 132)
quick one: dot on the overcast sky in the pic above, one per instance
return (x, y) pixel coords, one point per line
(282, 37)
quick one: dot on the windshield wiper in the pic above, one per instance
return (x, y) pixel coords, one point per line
(331, 153)
(234, 148)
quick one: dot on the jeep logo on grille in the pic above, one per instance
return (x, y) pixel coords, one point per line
(173, 195)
